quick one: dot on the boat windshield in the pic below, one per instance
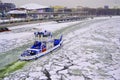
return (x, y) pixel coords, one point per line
(32, 52)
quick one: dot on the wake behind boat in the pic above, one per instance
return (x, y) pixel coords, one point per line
(44, 44)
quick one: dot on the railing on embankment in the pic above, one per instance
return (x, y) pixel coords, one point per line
(9, 23)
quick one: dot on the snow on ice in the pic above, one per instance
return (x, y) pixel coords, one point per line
(20, 35)
(90, 52)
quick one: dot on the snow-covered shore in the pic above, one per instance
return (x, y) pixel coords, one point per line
(91, 52)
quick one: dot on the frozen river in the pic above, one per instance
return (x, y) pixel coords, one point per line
(90, 51)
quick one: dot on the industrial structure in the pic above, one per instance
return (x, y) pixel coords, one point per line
(33, 11)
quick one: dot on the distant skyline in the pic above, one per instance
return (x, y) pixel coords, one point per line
(68, 3)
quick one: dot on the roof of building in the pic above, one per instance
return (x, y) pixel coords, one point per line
(33, 6)
(17, 12)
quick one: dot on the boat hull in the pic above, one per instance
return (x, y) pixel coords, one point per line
(34, 57)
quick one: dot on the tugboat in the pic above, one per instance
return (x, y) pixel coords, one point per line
(44, 44)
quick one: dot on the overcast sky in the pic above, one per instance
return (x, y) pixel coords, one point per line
(68, 3)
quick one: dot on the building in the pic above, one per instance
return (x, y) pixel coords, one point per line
(17, 13)
(5, 7)
(30, 11)
(106, 7)
(36, 7)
